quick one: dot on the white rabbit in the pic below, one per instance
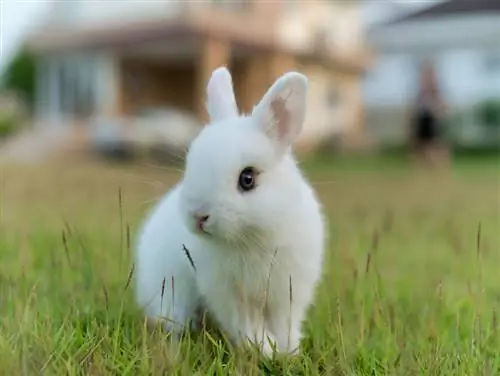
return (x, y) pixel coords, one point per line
(252, 224)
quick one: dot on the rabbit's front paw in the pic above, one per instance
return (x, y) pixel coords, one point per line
(268, 347)
(291, 342)
(266, 344)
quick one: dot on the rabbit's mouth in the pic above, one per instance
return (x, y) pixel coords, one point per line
(202, 229)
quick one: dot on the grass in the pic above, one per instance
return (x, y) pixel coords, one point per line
(411, 284)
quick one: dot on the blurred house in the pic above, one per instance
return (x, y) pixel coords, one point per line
(119, 59)
(379, 12)
(461, 37)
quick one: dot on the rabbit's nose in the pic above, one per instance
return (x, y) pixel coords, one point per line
(200, 221)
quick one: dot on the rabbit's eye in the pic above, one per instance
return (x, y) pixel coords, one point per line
(247, 179)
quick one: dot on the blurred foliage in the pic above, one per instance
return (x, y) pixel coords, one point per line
(7, 125)
(19, 77)
(488, 112)
(454, 119)
(452, 124)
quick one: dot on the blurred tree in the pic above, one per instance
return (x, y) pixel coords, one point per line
(489, 113)
(19, 76)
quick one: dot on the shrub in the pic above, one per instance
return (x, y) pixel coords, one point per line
(19, 76)
(7, 126)
(489, 113)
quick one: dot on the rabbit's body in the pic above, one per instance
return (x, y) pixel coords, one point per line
(256, 238)
(269, 286)
(166, 287)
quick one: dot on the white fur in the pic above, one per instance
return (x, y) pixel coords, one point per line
(258, 243)
(221, 103)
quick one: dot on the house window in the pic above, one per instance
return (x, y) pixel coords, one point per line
(491, 63)
(84, 90)
(321, 40)
(332, 97)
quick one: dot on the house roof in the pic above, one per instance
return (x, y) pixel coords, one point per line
(451, 8)
(469, 24)
(184, 29)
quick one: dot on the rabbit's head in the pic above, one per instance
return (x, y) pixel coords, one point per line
(240, 179)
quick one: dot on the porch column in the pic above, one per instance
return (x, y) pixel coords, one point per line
(214, 53)
(260, 73)
(354, 134)
(280, 63)
(42, 90)
(254, 82)
(54, 98)
(107, 86)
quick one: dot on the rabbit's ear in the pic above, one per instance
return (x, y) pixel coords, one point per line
(281, 112)
(221, 103)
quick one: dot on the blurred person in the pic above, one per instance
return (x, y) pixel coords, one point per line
(427, 115)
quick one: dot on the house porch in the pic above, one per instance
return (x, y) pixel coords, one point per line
(126, 81)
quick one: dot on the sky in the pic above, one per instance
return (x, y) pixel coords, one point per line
(17, 17)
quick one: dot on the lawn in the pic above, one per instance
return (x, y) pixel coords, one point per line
(412, 283)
